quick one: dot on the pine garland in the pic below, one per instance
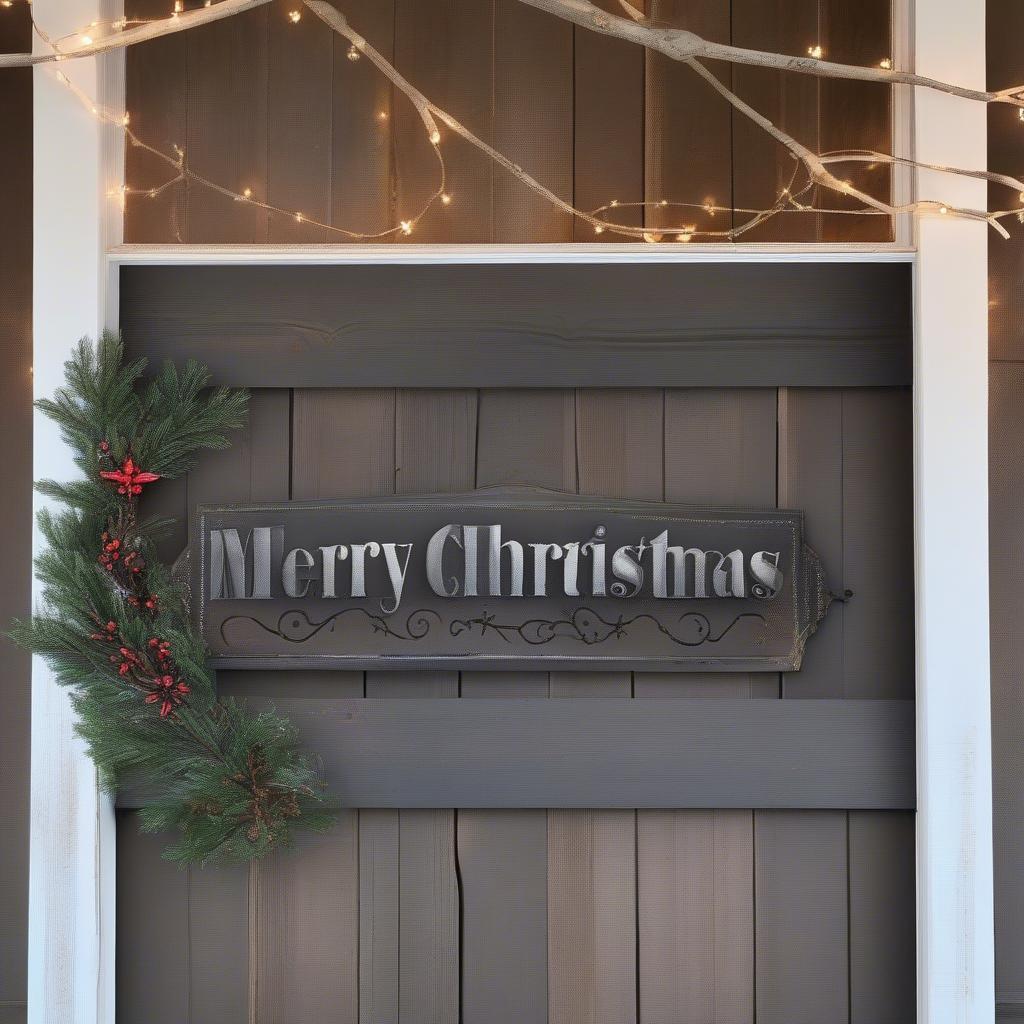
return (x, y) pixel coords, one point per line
(115, 627)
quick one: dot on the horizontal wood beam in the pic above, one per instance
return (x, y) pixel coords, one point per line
(457, 325)
(555, 752)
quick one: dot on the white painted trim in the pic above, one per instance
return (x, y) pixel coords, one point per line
(956, 963)
(584, 253)
(71, 832)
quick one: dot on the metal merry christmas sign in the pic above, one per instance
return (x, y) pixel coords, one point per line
(504, 579)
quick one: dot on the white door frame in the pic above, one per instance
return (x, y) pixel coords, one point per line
(76, 259)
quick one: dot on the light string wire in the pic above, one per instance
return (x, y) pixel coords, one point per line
(99, 37)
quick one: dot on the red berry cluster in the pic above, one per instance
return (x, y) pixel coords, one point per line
(152, 671)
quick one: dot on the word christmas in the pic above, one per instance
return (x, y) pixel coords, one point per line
(476, 561)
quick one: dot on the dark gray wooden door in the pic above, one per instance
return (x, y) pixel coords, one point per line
(567, 916)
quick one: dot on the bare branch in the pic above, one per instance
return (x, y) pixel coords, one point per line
(138, 34)
(681, 45)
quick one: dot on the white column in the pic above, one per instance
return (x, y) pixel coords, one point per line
(71, 883)
(954, 835)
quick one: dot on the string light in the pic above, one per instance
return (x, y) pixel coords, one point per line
(813, 164)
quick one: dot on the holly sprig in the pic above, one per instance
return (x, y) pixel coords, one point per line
(114, 624)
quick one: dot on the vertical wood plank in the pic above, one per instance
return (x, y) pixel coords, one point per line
(378, 917)
(226, 118)
(219, 926)
(695, 868)
(300, 78)
(446, 48)
(533, 121)
(255, 466)
(358, 459)
(695, 871)
(763, 168)
(800, 881)
(857, 115)
(155, 90)
(801, 942)
(344, 445)
(1006, 561)
(525, 437)
(307, 937)
(688, 142)
(362, 142)
(16, 212)
(878, 661)
(882, 921)
(608, 158)
(878, 531)
(592, 939)
(152, 928)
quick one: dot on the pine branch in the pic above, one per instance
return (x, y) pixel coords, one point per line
(116, 630)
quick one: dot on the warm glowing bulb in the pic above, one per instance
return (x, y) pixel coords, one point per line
(815, 51)
(652, 236)
(709, 206)
(885, 64)
(435, 137)
(686, 234)
(86, 40)
(1021, 197)
(353, 53)
(382, 115)
(298, 217)
(598, 229)
(247, 193)
(614, 202)
(446, 199)
(7, 3)
(295, 17)
(664, 202)
(179, 6)
(943, 209)
(406, 226)
(125, 119)
(1020, 113)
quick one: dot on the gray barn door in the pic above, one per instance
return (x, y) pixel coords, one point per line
(583, 916)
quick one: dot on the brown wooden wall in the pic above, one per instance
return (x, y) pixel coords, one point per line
(259, 103)
(15, 504)
(1006, 496)
(569, 916)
